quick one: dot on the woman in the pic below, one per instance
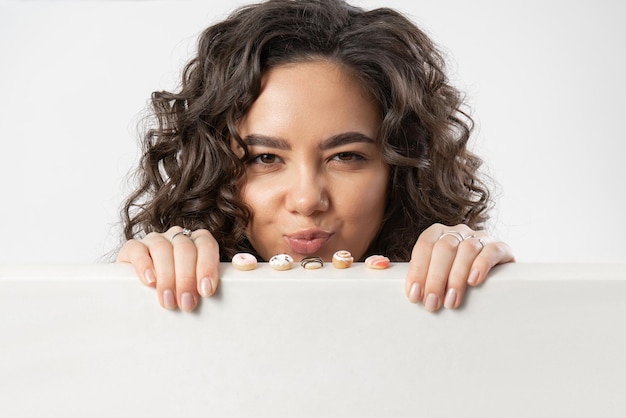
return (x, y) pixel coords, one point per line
(307, 127)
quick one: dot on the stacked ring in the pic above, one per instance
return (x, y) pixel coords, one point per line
(480, 240)
(455, 234)
(186, 232)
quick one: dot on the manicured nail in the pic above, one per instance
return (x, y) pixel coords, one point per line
(473, 277)
(206, 289)
(415, 293)
(450, 301)
(149, 276)
(169, 301)
(187, 302)
(431, 303)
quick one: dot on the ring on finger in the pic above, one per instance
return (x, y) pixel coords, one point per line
(453, 233)
(480, 240)
(186, 232)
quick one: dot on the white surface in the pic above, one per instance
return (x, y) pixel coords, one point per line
(545, 80)
(537, 340)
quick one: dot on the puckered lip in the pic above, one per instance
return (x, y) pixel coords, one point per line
(307, 241)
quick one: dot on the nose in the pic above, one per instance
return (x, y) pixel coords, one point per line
(308, 192)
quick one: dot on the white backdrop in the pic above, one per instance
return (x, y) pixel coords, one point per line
(545, 80)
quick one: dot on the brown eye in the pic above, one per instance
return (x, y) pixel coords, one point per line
(348, 157)
(264, 159)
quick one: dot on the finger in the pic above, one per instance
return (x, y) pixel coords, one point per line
(185, 256)
(442, 259)
(466, 253)
(420, 261)
(418, 267)
(162, 254)
(422, 253)
(207, 265)
(493, 254)
(137, 254)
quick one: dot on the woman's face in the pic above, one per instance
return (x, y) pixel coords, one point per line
(316, 180)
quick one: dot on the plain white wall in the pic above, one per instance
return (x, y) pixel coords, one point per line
(545, 80)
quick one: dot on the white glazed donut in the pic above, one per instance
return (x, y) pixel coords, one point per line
(281, 262)
(244, 261)
(378, 262)
(342, 259)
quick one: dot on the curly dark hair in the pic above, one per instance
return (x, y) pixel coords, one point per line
(190, 176)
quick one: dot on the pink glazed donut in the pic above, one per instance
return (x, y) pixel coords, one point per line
(244, 261)
(378, 262)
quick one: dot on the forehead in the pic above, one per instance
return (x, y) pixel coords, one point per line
(315, 97)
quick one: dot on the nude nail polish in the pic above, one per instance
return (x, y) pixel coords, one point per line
(169, 301)
(187, 302)
(473, 277)
(149, 276)
(431, 303)
(205, 287)
(450, 301)
(415, 293)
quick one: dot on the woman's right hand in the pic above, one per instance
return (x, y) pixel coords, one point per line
(180, 263)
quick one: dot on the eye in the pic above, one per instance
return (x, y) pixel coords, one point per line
(348, 157)
(263, 159)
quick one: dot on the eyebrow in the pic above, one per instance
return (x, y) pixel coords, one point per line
(334, 141)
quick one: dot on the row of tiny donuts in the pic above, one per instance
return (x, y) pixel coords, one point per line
(341, 259)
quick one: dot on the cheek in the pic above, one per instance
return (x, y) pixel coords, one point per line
(371, 207)
(258, 199)
(364, 203)
(264, 201)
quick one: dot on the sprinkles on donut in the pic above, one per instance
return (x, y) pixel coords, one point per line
(281, 262)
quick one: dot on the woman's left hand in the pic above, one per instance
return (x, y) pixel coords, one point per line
(446, 259)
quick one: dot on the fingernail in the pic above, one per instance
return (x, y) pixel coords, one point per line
(149, 276)
(415, 293)
(473, 277)
(169, 302)
(206, 289)
(432, 301)
(187, 302)
(450, 301)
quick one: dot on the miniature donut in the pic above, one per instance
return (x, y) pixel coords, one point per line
(312, 263)
(378, 262)
(281, 262)
(342, 259)
(244, 261)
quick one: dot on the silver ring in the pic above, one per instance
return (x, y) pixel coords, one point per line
(482, 241)
(186, 232)
(455, 234)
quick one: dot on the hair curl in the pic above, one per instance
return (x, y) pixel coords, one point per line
(190, 176)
